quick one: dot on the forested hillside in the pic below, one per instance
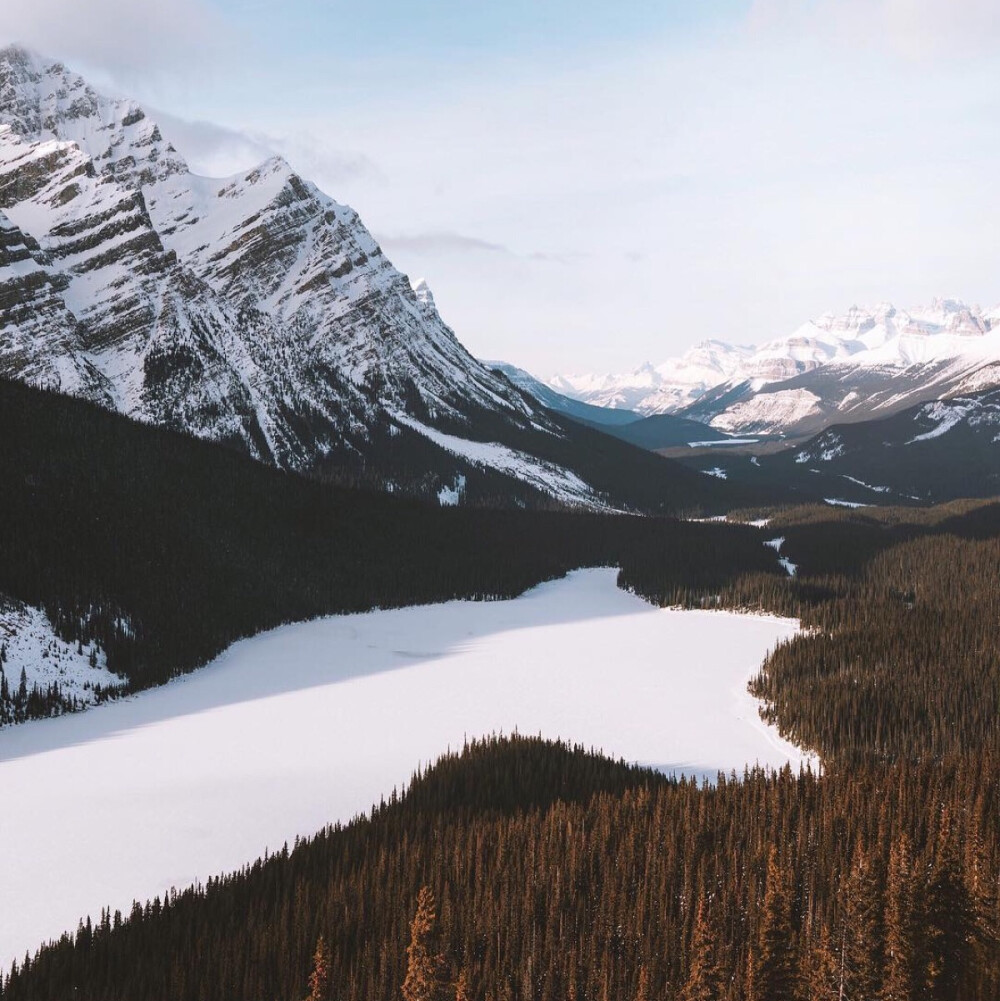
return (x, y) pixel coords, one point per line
(899, 658)
(560, 875)
(164, 549)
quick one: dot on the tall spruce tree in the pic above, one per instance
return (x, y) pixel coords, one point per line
(319, 978)
(642, 985)
(462, 986)
(822, 976)
(862, 907)
(704, 980)
(899, 981)
(775, 973)
(424, 964)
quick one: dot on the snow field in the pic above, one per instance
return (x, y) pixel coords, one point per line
(312, 723)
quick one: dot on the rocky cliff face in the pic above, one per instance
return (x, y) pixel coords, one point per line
(254, 310)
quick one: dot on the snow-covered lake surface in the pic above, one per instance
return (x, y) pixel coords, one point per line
(314, 722)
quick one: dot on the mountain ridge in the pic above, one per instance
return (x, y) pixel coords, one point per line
(256, 311)
(851, 366)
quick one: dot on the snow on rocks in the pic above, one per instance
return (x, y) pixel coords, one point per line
(253, 308)
(449, 496)
(768, 412)
(866, 359)
(945, 414)
(314, 722)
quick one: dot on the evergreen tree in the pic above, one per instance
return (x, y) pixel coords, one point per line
(775, 976)
(899, 982)
(424, 964)
(642, 986)
(319, 978)
(862, 928)
(823, 974)
(704, 980)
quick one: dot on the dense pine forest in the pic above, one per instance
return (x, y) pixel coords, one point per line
(527, 870)
(162, 550)
(560, 875)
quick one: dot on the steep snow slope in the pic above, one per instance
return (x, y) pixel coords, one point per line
(33, 651)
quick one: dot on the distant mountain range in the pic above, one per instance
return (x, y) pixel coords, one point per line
(259, 312)
(927, 453)
(655, 432)
(867, 363)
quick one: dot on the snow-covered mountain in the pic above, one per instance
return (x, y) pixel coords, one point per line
(931, 452)
(253, 310)
(549, 397)
(660, 389)
(868, 362)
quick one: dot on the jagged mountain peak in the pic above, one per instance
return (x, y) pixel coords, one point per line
(41, 99)
(254, 309)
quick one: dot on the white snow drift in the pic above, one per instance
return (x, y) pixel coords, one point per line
(312, 723)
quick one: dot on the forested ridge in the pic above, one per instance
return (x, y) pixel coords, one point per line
(558, 874)
(900, 655)
(164, 549)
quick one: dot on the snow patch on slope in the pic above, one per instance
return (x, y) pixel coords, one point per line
(31, 645)
(551, 479)
(768, 412)
(790, 568)
(947, 413)
(449, 496)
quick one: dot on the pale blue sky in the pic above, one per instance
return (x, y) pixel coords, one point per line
(588, 185)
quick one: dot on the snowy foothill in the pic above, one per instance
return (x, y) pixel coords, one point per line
(312, 723)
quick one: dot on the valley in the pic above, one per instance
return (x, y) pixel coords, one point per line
(320, 635)
(313, 723)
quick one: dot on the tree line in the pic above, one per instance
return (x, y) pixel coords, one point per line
(876, 882)
(162, 550)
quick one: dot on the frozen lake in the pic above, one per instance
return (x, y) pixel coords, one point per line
(314, 722)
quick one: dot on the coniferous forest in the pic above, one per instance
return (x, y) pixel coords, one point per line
(522, 869)
(162, 550)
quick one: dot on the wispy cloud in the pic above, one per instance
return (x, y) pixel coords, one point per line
(437, 244)
(218, 151)
(911, 28)
(127, 41)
